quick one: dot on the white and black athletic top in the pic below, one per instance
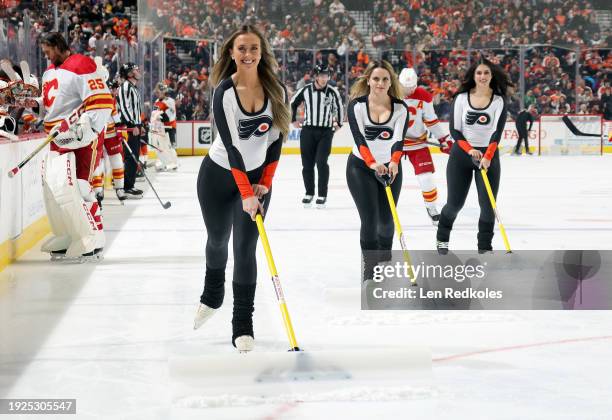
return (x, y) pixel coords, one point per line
(320, 106)
(477, 127)
(128, 103)
(246, 140)
(377, 142)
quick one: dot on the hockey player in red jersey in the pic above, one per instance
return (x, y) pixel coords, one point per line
(72, 81)
(422, 118)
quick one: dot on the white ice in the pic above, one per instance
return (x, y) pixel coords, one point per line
(103, 333)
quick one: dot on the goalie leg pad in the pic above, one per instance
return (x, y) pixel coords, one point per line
(78, 210)
(52, 168)
(167, 155)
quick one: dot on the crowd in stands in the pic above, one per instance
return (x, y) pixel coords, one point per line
(437, 37)
(92, 27)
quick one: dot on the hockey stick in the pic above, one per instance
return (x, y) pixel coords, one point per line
(165, 205)
(25, 70)
(72, 118)
(7, 67)
(485, 178)
(386, 181)
(149, 144)
(575, 131)
(277, 286)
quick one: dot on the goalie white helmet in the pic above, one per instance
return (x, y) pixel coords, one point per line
(408, 78)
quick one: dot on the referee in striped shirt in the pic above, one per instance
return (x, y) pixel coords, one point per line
(322, 115)
(128, 104)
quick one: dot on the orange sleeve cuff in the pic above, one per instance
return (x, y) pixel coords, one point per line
(396, 157)
(465, 145)
(242, 181)
(490, 151)
(268, 174)
(365, 153)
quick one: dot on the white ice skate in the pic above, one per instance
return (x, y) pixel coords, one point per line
(55, 244)
(307, 201)
(203, 314)
(321, 202)
(244, 343)
(121, 195)
(434, 215)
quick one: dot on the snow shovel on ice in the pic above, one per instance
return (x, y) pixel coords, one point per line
(270, 374)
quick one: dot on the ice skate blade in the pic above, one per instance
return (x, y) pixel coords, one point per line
(96, 256)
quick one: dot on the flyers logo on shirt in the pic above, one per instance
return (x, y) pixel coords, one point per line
(477, 118)
(49, 90)
(254, 127)
(378, 133)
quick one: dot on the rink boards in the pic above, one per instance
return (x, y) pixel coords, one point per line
(22, 212)
(194, 138)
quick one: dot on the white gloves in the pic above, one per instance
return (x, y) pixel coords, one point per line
(74, 136)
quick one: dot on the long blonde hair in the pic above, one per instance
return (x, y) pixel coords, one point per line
(266, 70)
(361, 87)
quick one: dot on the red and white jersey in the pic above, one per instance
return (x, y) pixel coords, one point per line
(422, 117)
(111, 131)
(75, 82)
(168, 107)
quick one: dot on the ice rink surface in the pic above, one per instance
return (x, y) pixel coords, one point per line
(103, 333)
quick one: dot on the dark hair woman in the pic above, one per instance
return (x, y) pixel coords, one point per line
(476, 124)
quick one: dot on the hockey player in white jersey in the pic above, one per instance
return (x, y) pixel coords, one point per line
(113, 148)
(162, 134)
(158, 137)
(72, 82)
(167, 106)
(422, 117)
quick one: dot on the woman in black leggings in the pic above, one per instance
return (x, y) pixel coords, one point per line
(252, 116)
(378, 119)
(477, 122)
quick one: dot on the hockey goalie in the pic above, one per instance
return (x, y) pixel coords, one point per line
(159, 138)
(72, 82)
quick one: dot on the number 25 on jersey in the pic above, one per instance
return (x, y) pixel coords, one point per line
(95, 84)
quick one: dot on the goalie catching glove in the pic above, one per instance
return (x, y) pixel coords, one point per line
(74, 136)
(445, 144)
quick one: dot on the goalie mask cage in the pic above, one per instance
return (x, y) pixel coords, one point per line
(571, 134)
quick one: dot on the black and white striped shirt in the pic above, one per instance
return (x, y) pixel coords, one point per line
(128, 104)
(321, 106)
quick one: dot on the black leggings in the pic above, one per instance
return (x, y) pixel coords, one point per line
(372, 204)
(221, 206)
(315, 147)
(459, 172)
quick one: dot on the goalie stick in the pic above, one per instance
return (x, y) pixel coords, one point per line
(25, 70)
(575, 131)
(72, 118)
(7, 67)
